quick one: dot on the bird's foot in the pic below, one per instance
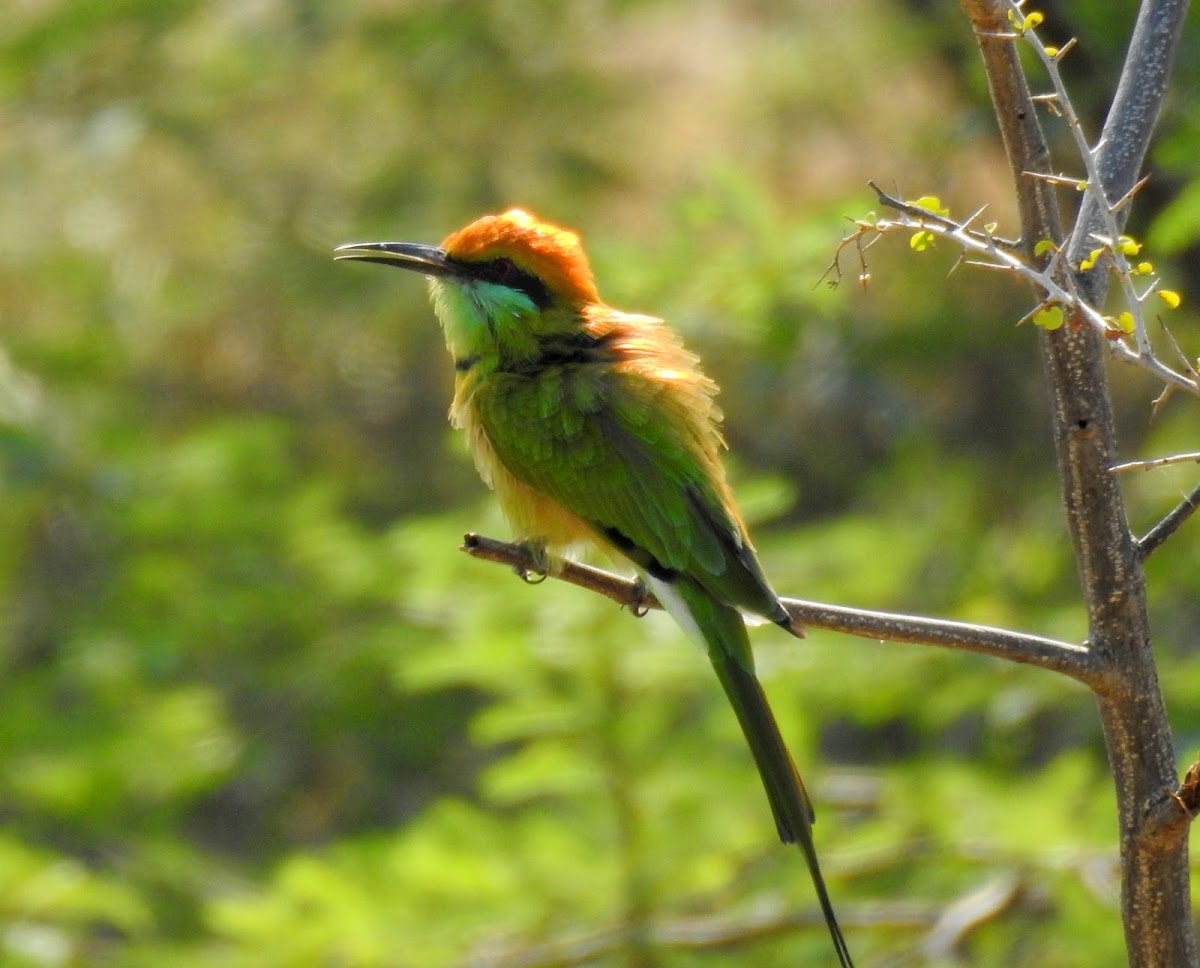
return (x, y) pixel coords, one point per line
(637, 598)
(539, 569)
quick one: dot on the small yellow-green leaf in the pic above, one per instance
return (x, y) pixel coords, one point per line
(1081, 186)
(1051, 51)
(1048, 318)
(930, 203)
(1128, 246)
(921, 241)
(1125, 322)
(1170, 297)
(1033, 19)
(991, 227)
(1044, 246)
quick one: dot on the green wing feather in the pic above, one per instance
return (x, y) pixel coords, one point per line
(614, 449)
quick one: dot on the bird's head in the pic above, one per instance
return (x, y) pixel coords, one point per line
(506, 278)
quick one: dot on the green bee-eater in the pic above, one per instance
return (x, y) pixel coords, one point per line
(594, 425)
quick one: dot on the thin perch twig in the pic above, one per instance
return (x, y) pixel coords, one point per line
(1154, 538)
(1146, 465)
(1068, 658)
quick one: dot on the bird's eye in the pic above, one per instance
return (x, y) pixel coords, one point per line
(505, 272)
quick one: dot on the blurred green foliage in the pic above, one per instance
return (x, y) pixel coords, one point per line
(255, 708)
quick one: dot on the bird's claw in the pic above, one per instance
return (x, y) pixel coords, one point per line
(530, 576)
(539, 571)
(637, 599)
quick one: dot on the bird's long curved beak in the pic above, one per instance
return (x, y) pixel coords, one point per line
(428, 259)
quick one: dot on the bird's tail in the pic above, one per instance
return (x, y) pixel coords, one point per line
(728, 646)
(789, 800)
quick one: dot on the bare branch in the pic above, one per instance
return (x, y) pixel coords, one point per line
(969, 913)
(1068, 658)
(704, 932)
(1153, 539)
(624, 591)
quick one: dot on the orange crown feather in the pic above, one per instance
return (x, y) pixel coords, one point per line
(551, 254)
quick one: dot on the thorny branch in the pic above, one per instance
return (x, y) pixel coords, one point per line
(1053, 284)
(1156, 462)
(1155, 894)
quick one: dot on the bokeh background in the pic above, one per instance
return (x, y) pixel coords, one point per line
(256, 708)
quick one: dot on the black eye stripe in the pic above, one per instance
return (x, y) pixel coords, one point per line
(505, 272)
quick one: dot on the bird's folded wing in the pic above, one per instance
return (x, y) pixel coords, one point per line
(643, 470)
